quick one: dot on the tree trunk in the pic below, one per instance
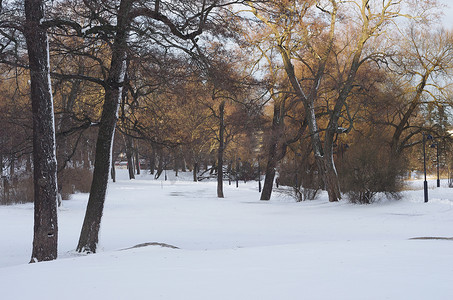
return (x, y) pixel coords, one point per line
(220, 151)
(195, 171)
(129, 156)
(272, 159)
(331, 177)
(326, 167)
(160, 166)
(12, 166)
(137, 161)
(45, 238)
(89, 235)
(113, 172)
(152, 161)
(176, 162)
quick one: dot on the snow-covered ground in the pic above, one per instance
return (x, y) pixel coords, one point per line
(237, 247)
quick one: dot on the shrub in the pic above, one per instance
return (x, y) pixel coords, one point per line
(301, 175)
(16, 189)
(73, 180)
(368, 168)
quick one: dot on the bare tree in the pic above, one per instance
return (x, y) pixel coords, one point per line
(89, 235)
(425, 59)
(132, 15)
(307, 35)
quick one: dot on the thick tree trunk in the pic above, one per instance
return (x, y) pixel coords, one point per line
(269, 179)
(330, 177)
(45, 238)
(272, 159)
(89, 235)
(220, 151)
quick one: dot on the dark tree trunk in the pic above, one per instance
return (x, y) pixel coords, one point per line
(272, 159)
(45, 238)
(129, 156)
(12, 166)
(89, 235)
(270, 175)
(220, 151)
(137, 161)
(113, 172)
(160, 166)
(195, 171)
(152, 161)
(176, 163)
(27, 164)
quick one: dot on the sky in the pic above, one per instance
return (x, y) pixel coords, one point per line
(447, 19)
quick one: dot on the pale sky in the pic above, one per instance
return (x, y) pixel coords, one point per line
(448, 17)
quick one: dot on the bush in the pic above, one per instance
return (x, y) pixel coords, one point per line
(302, 175)
(368, 168)
(19, 189)
(16, 189)
(74, 180)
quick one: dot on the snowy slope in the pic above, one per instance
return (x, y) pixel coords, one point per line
(237, 247)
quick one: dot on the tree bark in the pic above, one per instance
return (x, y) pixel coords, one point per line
(113, 172)
(195, 171)
(137, 161)
(272, 159)
(129, 156)
(45, 237)
(160, 165)
(220, 151)
(89, 235)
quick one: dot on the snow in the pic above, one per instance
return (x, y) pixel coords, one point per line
(237, 247)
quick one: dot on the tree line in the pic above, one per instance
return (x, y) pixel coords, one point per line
(326, 95)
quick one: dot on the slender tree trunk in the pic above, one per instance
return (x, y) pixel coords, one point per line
(129, 156)
(113, 172)
(152, 161)
(160, 166)
(176, 162)
(220, 151)
(27, 164)
(89, 235)
(45, 238)
(137, 161)
(12, 166)
(195, 171)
